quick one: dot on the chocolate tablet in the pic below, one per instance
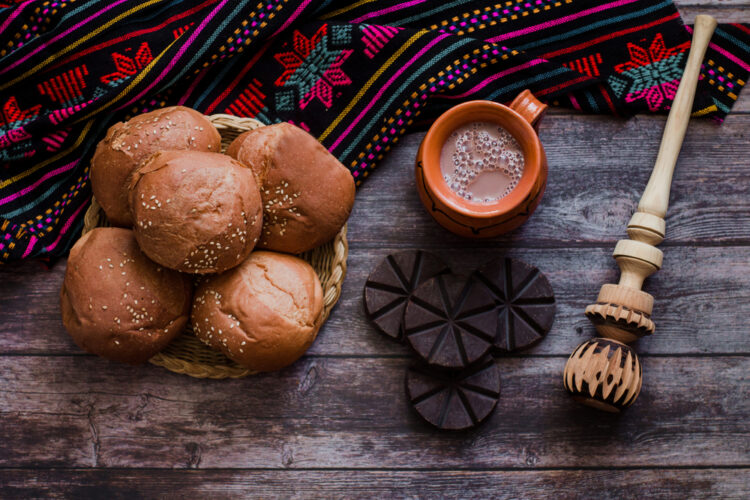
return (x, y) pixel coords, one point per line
(391, 283)
(454, 400)
(450, 321)
(524, 302)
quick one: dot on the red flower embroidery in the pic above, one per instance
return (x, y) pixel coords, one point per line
(127, 66)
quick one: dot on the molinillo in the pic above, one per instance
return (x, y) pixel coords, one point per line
(605, 373)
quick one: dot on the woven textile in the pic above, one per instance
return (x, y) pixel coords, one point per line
(356, 75)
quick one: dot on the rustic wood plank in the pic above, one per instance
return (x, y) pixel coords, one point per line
(724, 13)
(218, 484)
(599, 167)
(682, 4)
(702, 299)
(352, 413)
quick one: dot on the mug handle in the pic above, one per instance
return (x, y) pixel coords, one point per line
(528, 106)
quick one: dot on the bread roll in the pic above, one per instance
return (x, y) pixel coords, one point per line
(263, 314)
(127, 144)
(118, 304)
(195, 212)
(307, 194)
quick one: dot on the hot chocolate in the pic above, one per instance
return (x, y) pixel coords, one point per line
(481, 162)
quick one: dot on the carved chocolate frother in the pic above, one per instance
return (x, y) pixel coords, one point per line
(605, 373)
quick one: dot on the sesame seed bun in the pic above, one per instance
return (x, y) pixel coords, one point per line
(263, 314)
(127, 144)
(195, 212)
(307, 193)
(118, 304)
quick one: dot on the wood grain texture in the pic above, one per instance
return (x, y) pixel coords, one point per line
(353, 413)
(351, 484)
(682, 4)
(333, 424)
(704, 295)
(598, 167)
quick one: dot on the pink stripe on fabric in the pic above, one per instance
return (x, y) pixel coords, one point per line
(574, 102)
(64, 33)
(15, 14)
(380, 34)
(388, 10)
(179, 54)
(27, 189)
(65, 228)
(562, 20)
(293, 17)
(491, 79)
(32, 242)
(723, 52)
(192, 86)
(384, 87)
(729, 56)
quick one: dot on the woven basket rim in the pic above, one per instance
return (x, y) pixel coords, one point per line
(336, 271)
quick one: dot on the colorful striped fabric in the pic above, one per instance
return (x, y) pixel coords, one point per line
(357, 75)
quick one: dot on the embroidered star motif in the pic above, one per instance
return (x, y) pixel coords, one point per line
(651, 75)
(312, 68)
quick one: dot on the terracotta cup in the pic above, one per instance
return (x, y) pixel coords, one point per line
(483, 220)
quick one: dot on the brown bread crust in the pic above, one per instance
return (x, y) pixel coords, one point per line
(307, 193)
(127, 144)
(118, 304)
(195, 212)
(263, 314)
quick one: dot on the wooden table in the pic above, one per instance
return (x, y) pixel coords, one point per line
(337, 423)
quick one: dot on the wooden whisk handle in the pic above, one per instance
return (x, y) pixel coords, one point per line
(647, 224)
(605, 372)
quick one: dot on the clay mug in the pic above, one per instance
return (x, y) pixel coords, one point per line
(484, 220)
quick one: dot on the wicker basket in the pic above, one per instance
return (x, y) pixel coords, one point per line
(186, 354)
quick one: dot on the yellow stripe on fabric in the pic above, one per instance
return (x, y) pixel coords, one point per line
(49, 160)
(346, 9)
(135, 81)
(705, 111)
(80, 41)
(369, 83)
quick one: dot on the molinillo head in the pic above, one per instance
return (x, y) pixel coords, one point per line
(604, 372)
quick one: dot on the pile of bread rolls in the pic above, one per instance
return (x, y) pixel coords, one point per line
(182, 210)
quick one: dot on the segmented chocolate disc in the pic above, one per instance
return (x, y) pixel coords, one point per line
(392, 282)
(450, 321)
(454, 400)
(524, 302)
